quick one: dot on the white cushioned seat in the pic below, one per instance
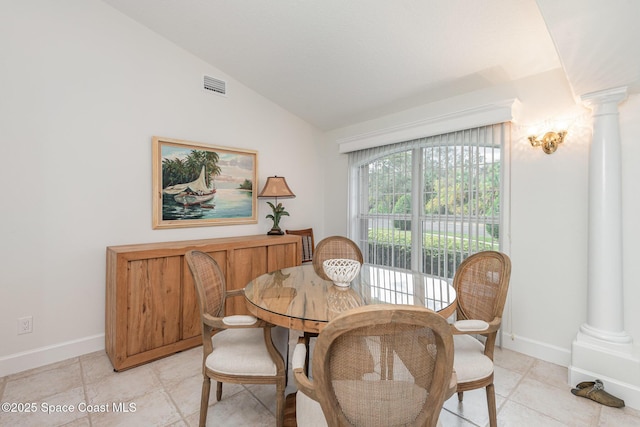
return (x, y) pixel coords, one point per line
(308, 412)
(241, 351)
(469, 361)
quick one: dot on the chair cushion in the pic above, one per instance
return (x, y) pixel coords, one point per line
(469, 361)
(299, 356)
(471, 325)
(240, 352)
(308, 412)
(453, 385)
(239, 319)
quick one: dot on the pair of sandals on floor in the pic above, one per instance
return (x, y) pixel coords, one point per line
(594, 390)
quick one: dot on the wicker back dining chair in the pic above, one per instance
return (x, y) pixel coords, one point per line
(481, 282)
(237, 348)
(411, 374)
(334, 247)
(308, 245)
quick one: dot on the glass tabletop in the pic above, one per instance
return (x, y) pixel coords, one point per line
(298, 298)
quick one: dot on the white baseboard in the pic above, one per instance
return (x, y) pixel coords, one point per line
(561, 356)
(539, 350)
(627, 392)
(42, 356)
(618, 366)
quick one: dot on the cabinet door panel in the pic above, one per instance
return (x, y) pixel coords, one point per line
(281, 256)
(153, 309)
(245, 265)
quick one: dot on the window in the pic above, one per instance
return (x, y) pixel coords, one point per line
(428, 203)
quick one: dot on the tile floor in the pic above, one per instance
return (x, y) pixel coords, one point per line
(530, 392)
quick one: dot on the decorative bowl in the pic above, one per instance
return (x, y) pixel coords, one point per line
(341, 271)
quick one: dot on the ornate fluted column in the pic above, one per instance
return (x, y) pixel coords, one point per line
(602, 348)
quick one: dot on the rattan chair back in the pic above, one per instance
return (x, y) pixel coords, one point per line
(481, 282)
(334, 247)
(383, 365)
(209, 282)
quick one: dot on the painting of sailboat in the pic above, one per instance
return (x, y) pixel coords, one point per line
(192, 193)
(197, 184)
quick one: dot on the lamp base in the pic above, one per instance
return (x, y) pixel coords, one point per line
(275, 232)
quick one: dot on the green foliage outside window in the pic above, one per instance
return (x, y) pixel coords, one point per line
(494, 230)
(403, 206)
(460, 184)
(441, 254)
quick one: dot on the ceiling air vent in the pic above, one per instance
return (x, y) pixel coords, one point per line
(215, 85)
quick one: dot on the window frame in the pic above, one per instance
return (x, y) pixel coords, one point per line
(417, 179)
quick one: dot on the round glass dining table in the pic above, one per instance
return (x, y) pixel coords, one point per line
(297, 298)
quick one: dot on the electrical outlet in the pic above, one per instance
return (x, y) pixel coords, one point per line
(25, 325)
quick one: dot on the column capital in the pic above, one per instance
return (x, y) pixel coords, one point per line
(605, 101)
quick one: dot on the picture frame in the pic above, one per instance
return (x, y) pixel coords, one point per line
(199, 185)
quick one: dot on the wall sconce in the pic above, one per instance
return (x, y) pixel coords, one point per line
(276, 186)
(549, 141)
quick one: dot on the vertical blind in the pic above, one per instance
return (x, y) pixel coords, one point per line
(428, 203)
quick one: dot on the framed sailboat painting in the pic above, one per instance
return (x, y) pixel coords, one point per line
(197, 184)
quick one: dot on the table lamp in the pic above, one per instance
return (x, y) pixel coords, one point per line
(276, 186)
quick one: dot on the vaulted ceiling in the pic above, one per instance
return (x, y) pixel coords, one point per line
(337, 62)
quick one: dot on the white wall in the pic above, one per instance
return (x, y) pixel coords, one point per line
(82, 91)
(549, 195)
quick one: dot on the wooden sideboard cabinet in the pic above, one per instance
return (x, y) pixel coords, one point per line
(151, 306)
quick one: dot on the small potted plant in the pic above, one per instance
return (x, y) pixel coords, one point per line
(278, 212)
